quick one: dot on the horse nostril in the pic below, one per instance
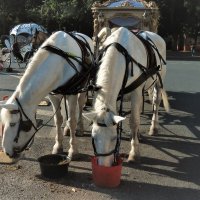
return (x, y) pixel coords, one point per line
(8, 154)
(12, 155)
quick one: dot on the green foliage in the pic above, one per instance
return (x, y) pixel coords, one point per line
(193, 17)
(177, 16)
(53, 14)
(67, 15)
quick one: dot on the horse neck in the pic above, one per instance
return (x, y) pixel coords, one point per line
(28, 99)
(35, 85)
(110, 77)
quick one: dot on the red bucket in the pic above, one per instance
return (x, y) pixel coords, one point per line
(106, 176)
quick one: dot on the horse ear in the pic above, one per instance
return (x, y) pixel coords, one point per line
(118, 119)
(90, 116)
(9, 106)
(111, 119)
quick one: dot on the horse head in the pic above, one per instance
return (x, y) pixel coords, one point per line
(104, 135)
(17, 129)
(38, 38)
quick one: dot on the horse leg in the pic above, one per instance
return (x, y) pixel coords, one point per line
(66, 131)
(58, 119)
(136, 103)
(80, 128)
(156, 102)
(81, 103)
(150, 92)
(72, 124)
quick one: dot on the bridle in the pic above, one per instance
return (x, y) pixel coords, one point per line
(23, 126)
(115, 151)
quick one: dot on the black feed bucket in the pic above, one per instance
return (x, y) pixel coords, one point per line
(54, 165)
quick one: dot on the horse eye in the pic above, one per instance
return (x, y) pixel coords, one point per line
(12, 124)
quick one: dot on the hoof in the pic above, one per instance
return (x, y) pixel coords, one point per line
(153, 131)
(134, 159)
(73, 156)
(57, 151)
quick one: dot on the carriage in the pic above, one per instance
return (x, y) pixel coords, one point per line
(132, 14)
(19, 46)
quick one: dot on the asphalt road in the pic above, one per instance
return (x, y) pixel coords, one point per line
(170, 161)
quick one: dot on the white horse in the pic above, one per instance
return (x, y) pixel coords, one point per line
(110, 78)
(57, 62)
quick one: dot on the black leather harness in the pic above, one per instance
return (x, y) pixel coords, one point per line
(79, 82)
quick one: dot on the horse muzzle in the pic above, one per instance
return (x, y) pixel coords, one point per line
(15, 155)
(106, 161)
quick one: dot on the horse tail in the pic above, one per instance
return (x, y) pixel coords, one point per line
(165, 100)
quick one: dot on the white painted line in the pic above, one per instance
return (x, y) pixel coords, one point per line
(16, 75)
(45, 112)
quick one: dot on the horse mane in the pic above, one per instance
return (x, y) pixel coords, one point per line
(106, 70)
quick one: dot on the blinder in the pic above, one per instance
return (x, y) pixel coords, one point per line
(24, 125)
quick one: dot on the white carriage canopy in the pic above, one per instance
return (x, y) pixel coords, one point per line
(23, 33)
(29, 28)
(18, 44)
(133, 14)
